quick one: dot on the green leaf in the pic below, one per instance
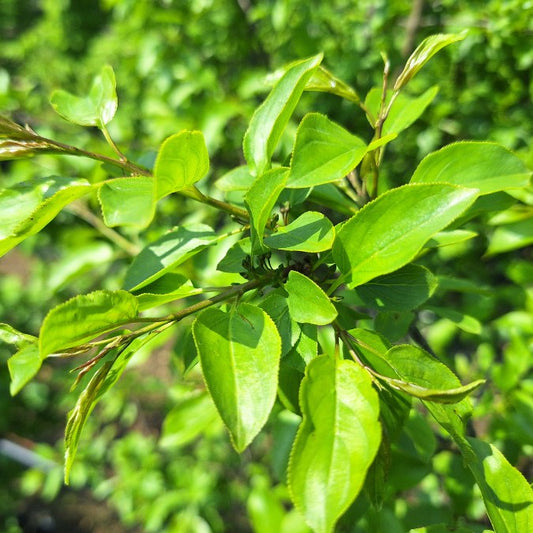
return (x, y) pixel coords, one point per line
(485, 166)
(308, 303)
(510, 237)
(167, 288)
(323, 152)
(10, 335)
(507, 495)
(102, 380)
(192, 416)
(83, 318)
(405, 110)
(389, 231)
(239, 353)
(96, 109)
(403, 290)
(27, 208)
(448, 238)
(181, 161)
(127, 201)
(336, 442)
(168, 252)
(311, 232)
(233, 260)
(324, 81)
(271, 117)
(237, 179)
(465, 322)
(23, 366)
(423, 53)
(261, 199)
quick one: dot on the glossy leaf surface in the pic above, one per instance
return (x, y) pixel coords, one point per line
(336, 442)
(485, 166)
(181, 161)
(96, 109)
(308, 303)
(83, 318)
(389, 231)
(311, 232)
(239, 353)
(167, 252)
(271, 117)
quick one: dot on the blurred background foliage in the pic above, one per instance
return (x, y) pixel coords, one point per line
(205, 65)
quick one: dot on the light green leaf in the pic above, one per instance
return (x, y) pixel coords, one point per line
(405, 110)
(167, 288)
(465, 322)
(260, 200)
(127, 201)
(192, 416)
(102, 380)
(308, 303)
(168, 252)
(271, 117)
(389, 231)
(10, 335)
(423, 53)
(181, 161)
(83, 318)
(23, 366)
(28, 207)
(96, 109)
(239, 353)
(323, 152)
(485, 166)
(311, 232)
(508, 497)
(324, 81)
(448, 238)
(336, 442)
(237, 179)
(510, 237)
(402, 290)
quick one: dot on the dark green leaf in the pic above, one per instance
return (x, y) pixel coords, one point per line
(308, 303)
(261, 199)
(337, 440)
(83, 318)
(168, 252)
(127, 201)
(233, 260)
(96, 109)
(181, 161)
(389, 231)
(23, 366)
(402, 290)
(311, 232)
(485, 166)
(239, 353)
(271, 117)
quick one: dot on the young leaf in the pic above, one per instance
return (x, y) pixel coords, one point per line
(96, 109)
(336, 442)
(83, 318)
(488, 167)
(167, 252)
(239, 353)
(271, 117)
(404, 111)
(447, 238)
(27, 208)
(323, 152)
(127, 201)
(181, 161)
(510, 237)
(308, 303)
(389, 231)
(507, 495)
(10, 335)
(423, 53)
(260, 200)
(402, 290)
(311, 232)
(324, 81)
(23, 366)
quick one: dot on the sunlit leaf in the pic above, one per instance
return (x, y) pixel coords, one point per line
(22, 366)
